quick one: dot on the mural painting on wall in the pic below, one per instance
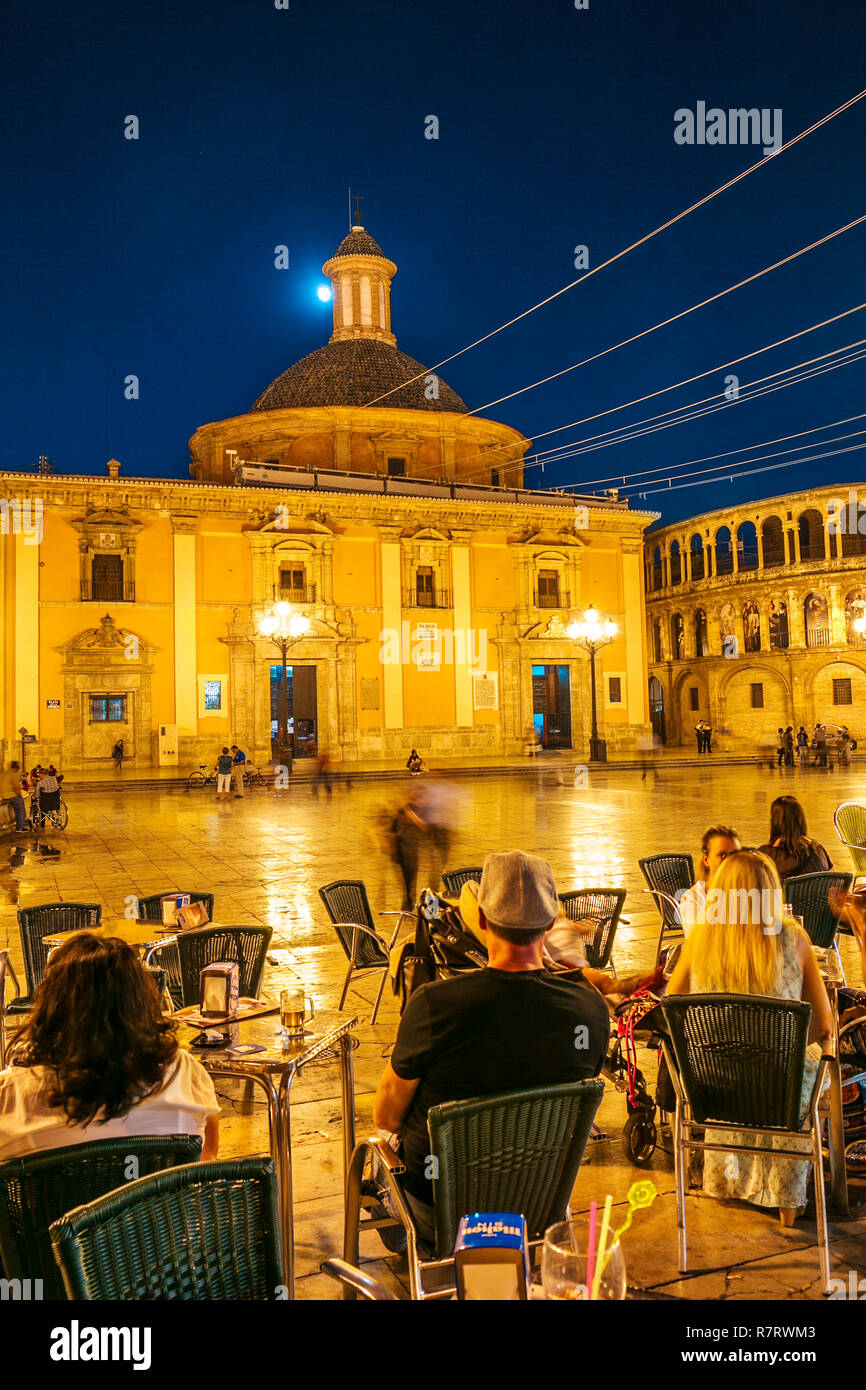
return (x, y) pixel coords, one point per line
(855, 607)
(752, 627)
(778, 622)
(678, 633)
(817, 620)
(726, 627)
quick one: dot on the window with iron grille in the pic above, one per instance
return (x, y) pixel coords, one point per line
(615, 690)
(694, 697)
(548, 589)
(213, 692)
(757, 695)
(396, 468)
(424, 594)
(292, 584)
(108, 709)
(842, 690)
(106, 577)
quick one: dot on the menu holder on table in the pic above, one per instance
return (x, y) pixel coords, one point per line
(247, 1008)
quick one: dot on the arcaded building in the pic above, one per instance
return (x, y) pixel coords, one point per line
(751, 616)
(358, 490)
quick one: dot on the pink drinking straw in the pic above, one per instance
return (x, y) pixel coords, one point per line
(590, 1253)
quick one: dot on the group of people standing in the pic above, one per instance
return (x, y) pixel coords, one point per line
(43, 784)
(824, 743)
(704, 735)
(230, 773)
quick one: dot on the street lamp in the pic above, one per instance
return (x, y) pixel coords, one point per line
(592, 634)
(284, 628)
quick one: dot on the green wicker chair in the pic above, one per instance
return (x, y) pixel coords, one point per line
(39, 1188)
(203, 1231)
(736, 1062)
(193, 950)
(807, 894)
(348, 907)
(48, 919)
(667, 878)
(603, 906)
(850, 822)
(515, 1151)
(454, 879)
(150, 908)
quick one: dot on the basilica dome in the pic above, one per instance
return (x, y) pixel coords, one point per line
(355, 371)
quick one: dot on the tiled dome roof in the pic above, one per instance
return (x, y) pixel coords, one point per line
(359, 243)
(353, 373)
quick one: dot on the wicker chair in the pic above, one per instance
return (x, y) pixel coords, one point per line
(203, 1231)
(454, 879)
(667, 877)
(5, 969)
(37, 1189)
(602, 906)
(348, 907)
(807, 894)
(515, 1151)
(850, 821)
(737, 1062)
(196, 949)
(150, 908)
(48, 919)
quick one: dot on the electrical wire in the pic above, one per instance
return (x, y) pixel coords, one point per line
(749, 472)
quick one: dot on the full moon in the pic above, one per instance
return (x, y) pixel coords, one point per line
(324, 293)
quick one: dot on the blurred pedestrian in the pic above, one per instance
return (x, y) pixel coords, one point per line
(324, 774)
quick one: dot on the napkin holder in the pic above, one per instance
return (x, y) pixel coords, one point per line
(219, 990)
(491, 1258)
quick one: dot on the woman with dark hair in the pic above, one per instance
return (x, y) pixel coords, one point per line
(98, 1060)
(789, 845)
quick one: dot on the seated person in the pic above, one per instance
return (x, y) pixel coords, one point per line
(789, 845)
(97, 1059)
(717, 843)
(46, 796)
(510, 1025)
(851, 909)
(739, 954)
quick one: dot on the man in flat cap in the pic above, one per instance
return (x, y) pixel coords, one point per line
(511, 1025)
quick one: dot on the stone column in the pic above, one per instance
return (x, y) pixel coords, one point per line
(392, 612)
(796, 620)
(765, 627)
(635, 645)
(836, 614)
(185, 691)
(462, 600)
(26, 635)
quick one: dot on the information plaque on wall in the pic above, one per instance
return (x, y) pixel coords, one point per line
(485, 691)
(369, 692)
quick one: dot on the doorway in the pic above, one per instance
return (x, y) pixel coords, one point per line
(302, 712)
(657, 709)
(551, 705)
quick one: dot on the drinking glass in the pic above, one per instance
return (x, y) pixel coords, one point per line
(564, 1265)
(296, 1009)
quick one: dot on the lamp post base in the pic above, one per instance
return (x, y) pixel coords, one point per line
(597, 750)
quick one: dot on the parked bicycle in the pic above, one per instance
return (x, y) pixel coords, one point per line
(252, 776)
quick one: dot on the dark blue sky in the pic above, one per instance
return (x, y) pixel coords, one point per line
(155, 257)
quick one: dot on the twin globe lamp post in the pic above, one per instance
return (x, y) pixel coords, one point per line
(592, 634)
(284, 628)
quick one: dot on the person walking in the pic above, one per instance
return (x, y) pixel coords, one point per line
(324, 775)
(821, 744)
(803, 746)
(118, 753)
(404, 829)
(224, 775)
(239, 759)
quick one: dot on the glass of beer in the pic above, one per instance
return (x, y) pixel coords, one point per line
(296, 1009)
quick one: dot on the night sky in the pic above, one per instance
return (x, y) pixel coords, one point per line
(156, 256)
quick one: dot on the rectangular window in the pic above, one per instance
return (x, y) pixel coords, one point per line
(694, 697)
(494, 477)
(424, 586)
(757, 695)
(615, 690)
(842, 690)
(106, 577)
(548, 589)
(396, 468)
(213, 695)
(292, 584)
(108, 709)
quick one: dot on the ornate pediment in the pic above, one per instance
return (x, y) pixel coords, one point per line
(107, 642)
(426, 535)
(106, 528)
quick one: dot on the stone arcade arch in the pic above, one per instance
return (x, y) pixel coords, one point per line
(754, 700)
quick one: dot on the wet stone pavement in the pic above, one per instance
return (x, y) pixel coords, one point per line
(265, 856)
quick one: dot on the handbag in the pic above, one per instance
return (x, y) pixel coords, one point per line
(412, 963)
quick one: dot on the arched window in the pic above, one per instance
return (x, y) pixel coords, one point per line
(702, 646)
(855, 608)
(817, 620)
(724, 551)
(656, 570)
(777, 618)
(676, 563)
(747, 546)
(773, 541)
(696, 551)
(810, 526)
(751, 628)
(678, 637)
(657, 639)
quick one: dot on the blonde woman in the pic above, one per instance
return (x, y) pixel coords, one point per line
(746, 946)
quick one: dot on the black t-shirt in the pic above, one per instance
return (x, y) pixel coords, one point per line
(815, 861)
(489, 1031)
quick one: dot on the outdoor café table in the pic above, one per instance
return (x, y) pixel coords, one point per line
(828, 965)
(140, 935)
(275, 1069)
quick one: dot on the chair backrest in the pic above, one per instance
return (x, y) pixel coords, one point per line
(49, 919)
(246, 945)
(740, 1057)
(602, 906)
(346, 901)
(514, 1151)
(150, 908)
(37, 1189)
(670, 874)
(454, 879)
(203, 1231)
(807, 894)
(850, 822)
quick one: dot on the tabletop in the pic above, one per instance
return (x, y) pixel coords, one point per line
(127, 929)
(323, 1032)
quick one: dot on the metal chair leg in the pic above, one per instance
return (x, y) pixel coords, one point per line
(680, 1185)
(351, 1228)
(821, 1208)
(346, 984)
(380, 993)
